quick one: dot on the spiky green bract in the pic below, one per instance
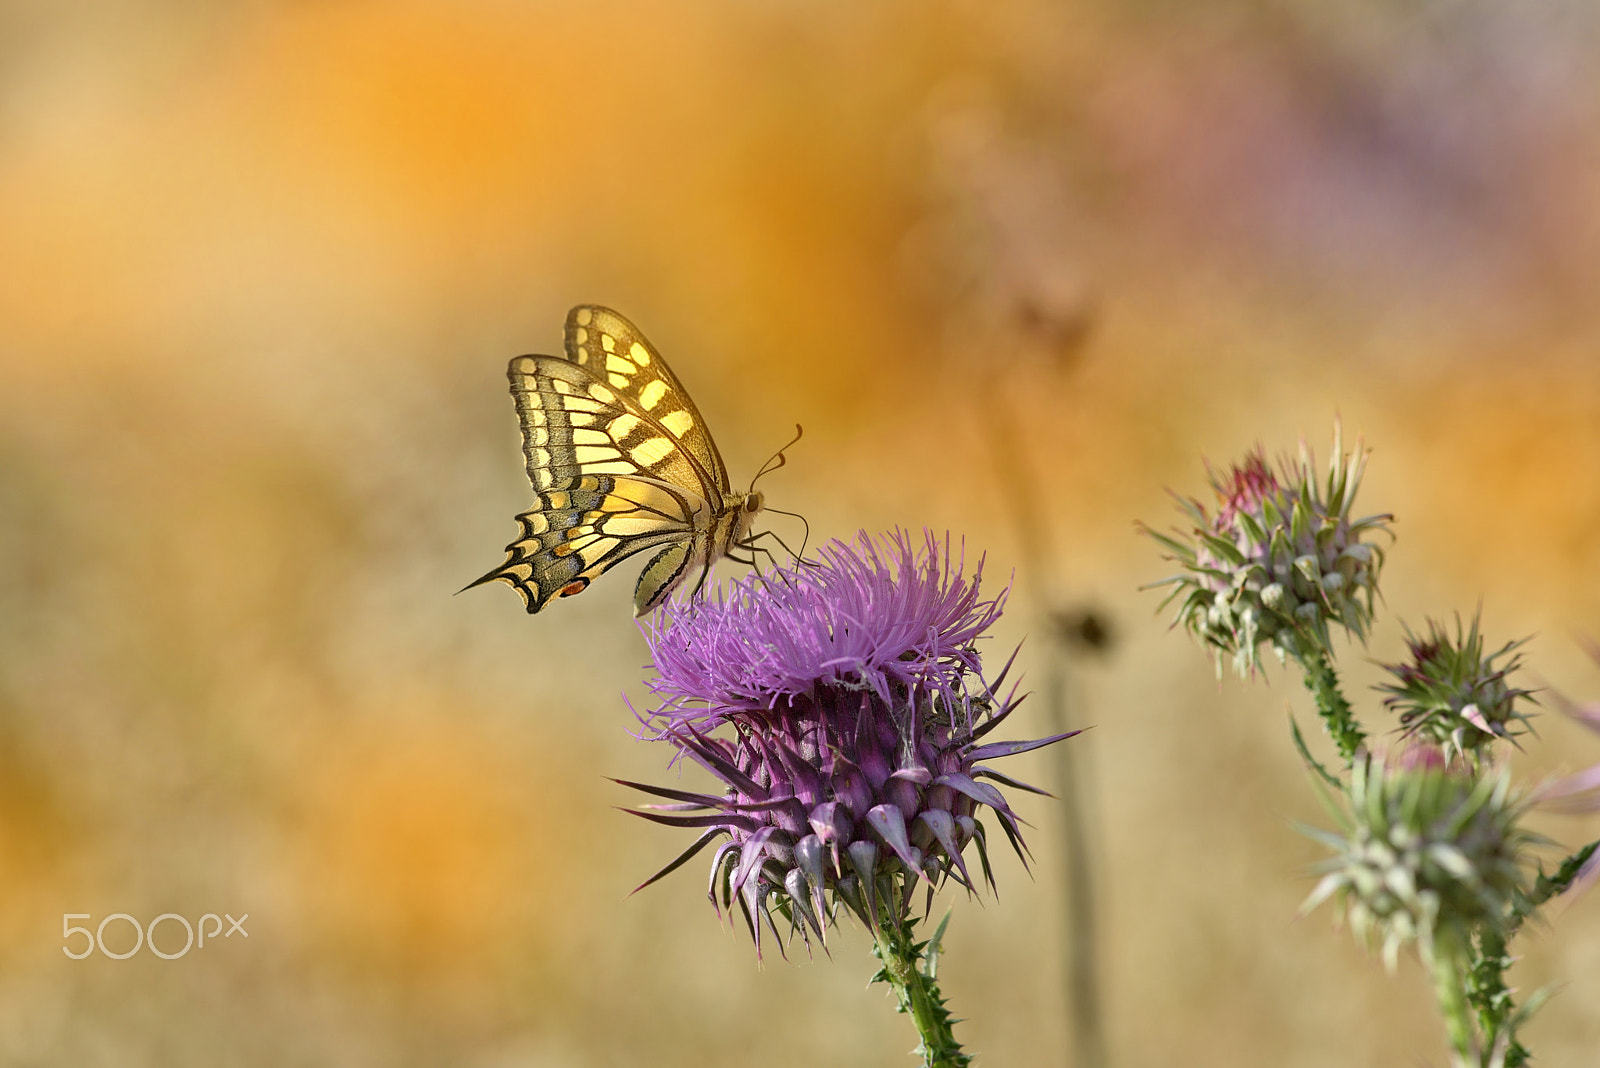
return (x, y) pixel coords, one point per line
(1280, 562)
(1429, 850)
(1450, 694)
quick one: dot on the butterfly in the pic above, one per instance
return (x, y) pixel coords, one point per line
(621, 462)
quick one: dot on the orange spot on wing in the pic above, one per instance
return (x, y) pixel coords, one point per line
(574, 587)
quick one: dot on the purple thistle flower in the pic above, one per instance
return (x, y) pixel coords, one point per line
(840, 703)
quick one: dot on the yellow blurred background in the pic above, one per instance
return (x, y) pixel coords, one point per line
(262, 265)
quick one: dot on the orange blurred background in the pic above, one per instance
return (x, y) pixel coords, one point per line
(263, 265)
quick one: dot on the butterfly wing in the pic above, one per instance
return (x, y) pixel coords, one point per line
(611, 479)
(617, 353)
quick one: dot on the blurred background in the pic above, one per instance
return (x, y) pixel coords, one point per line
(1017, 266)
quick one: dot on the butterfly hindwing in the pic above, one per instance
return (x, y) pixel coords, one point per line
(578, 530)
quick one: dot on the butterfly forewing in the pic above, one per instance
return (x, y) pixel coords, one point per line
(573, 424)
(616, 352)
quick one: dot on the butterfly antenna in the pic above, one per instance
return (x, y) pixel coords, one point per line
(777, 459)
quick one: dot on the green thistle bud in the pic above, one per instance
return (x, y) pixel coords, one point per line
(1450, 694)
(1427, 844)
(1280, 562)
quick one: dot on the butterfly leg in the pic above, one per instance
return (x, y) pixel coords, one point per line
(749, 545)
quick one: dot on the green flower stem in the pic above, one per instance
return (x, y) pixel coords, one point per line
(1449, 963)
(1335, 711)
(1490, 997)
(917, 991)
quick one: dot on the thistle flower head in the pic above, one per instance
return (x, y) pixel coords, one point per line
(1280, 561)
(1427, 841)
(1448, 693)
(840, 704)
(867, 615)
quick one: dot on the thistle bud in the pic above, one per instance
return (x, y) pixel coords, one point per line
(1426, 842)
(1449, 694)
(1279, 562)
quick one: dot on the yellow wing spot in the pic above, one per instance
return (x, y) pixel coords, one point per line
(524, 572)
(538, 436)
(648, 452)
(590, 436)
(677, 422)
(582, 402)
(580, 335)
(602, 394)
(617, 466)
(583, 354)
(629, 526)
(537, 524)
(622, 426)
(557, 501)
(595, 454)
(585, 316)
(596, 550)
(560, 386)
(578, 419)
(535, 416)
(564, 549)
(619, 365)
(608, 342)
(640, 354)
(541, 457)
(651, 395)
(620, 381)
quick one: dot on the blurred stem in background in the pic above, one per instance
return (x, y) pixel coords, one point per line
(1066, 632)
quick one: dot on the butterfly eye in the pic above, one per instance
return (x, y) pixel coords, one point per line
(752, 502)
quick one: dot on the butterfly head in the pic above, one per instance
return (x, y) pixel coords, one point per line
(750, 506)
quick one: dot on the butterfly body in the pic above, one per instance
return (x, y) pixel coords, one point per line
(621, 462)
